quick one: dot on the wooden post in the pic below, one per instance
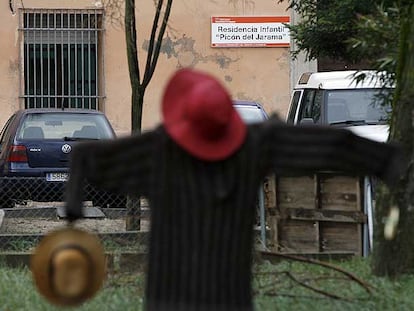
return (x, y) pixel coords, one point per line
(269, 188)
(133, 217)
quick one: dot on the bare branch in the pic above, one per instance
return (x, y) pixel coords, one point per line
(153, 57)
(131, 41)
(314, 289)
(351, 276)
(152, 41)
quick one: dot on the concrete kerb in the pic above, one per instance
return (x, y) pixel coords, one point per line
(57, 211)
(116, 262)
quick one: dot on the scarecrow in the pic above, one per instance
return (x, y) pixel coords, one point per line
(200, 171)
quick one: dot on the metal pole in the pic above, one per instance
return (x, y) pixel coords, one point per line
(368, 210)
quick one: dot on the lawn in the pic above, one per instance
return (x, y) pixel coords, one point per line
(17, 293)
(299, 286)
(288, 285)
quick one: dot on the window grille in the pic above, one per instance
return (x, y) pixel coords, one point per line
(62, 58)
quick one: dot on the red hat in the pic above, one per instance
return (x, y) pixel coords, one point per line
(199, 116)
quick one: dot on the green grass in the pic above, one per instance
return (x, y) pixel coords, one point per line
(276, 287)
(18, 293)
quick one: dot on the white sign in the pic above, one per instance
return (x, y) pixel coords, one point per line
(250, 31)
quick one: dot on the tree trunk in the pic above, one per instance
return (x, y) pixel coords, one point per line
(137, 97)
(138, 88)
(133, 218)
(396, 256)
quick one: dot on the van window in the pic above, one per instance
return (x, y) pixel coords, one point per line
(311, 108)
(356, 105)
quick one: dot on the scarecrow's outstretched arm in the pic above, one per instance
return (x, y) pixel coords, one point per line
(308, 149)
(120, 166)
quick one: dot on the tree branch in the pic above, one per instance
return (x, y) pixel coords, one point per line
(351, 276)
(154, 59)
(152, 42)
(131, 42)
(316, 290)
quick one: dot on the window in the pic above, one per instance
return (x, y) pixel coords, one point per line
(66, 126)
(311, 108)
(62, 58)
(368, 105)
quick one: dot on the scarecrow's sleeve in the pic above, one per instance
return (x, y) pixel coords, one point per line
(294, 150)
(120, 166)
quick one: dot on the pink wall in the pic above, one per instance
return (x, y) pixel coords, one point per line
(260, 74)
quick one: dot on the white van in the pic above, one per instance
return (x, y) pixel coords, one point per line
(335, 98)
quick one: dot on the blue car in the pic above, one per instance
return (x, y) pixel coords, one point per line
(35, 147)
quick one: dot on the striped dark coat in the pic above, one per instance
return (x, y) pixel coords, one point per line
(202, 213)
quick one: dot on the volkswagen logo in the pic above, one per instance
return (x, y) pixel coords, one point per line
(66, 148)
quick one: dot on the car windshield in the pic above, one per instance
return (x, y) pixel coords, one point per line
(250, 114)
(357, 106)
(65, 126)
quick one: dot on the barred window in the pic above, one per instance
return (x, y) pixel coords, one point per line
(61, 58)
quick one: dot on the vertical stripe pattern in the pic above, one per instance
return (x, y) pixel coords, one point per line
(202, 213)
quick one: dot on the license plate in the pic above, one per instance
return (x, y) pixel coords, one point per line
(57, 176)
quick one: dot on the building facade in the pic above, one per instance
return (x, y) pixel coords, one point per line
(72, 53)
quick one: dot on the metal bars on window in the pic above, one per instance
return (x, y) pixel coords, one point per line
(62, 58)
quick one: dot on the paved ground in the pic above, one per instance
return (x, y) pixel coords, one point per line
(44, 225)
(39, 222)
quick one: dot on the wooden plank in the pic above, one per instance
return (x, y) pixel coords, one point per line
(341, 237)
(300, 182)
(340, 201)
(298, 236)
(295, 192)
(340, 192)
(325, 215)
(269, 188)
(338, 184)
(272, 220)
(292, 200)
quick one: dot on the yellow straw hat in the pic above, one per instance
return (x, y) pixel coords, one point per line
(68, 266)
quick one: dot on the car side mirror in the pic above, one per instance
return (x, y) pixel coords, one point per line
(307, 121)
